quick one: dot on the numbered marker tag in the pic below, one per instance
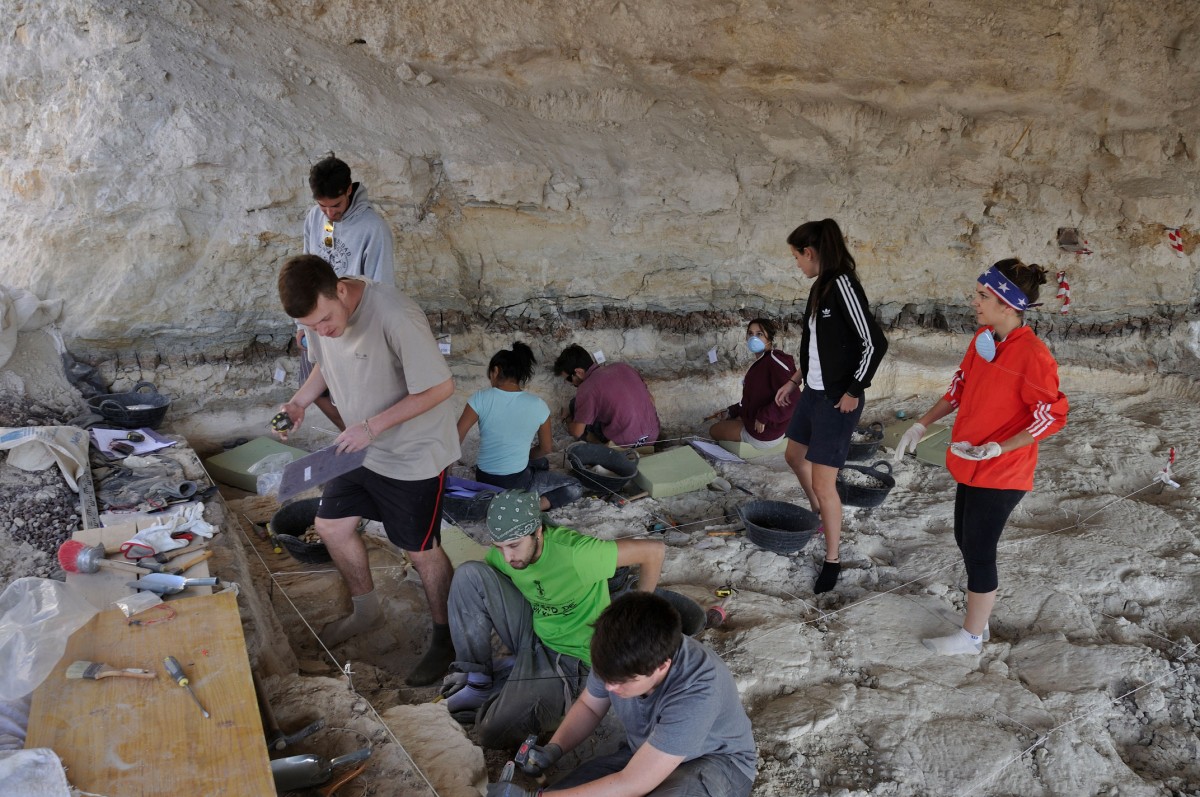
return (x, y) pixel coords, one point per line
(280, 374)
(598, 356)
(712, 355)
(444, 345)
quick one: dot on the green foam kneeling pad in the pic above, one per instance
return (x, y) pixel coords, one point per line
(747, 451)
(932, 448)
(679, 470)
(229, 467)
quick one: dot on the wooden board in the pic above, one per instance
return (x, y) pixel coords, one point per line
(122, 736)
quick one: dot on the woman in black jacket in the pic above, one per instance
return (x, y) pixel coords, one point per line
(840, 350)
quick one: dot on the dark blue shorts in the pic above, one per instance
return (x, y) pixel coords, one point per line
(818, 424)
(410, 510)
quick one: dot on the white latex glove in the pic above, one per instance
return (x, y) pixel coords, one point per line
(188, 517)
(157, 538)
(976, 453)
(909, 440)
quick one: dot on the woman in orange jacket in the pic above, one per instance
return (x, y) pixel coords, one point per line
(1007, 397)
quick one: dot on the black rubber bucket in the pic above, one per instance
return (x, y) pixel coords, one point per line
(777, 525)
(623, 464)
(289, 525)
(863, 495)
(690, 612)
(865, 441)
(467, 510)
(118, 408)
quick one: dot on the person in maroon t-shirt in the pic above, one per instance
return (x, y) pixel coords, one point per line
(612, 403)
(757, 420)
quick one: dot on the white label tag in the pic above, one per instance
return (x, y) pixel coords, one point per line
(308, 473)
(712, 354)
(280, 374)
(444, 345)
(598, 356)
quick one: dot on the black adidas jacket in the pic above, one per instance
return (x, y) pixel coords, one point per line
(850, 344)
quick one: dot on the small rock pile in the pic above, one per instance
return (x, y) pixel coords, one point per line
(38, 509)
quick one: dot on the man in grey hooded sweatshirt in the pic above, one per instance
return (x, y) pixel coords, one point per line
(346, 231)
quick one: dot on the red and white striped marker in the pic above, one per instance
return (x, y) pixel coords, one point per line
(1165, 475)
(1064, 291)
(1175, 240)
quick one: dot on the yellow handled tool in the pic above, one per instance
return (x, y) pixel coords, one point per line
(177, 674)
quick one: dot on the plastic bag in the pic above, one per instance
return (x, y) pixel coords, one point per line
(137, 602)
(37, 617)
(269, 471)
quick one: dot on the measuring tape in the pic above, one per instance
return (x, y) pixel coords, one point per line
(87, 499)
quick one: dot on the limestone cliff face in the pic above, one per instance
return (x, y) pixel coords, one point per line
(542, 159)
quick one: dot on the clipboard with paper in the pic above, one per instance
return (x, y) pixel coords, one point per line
(316, 469)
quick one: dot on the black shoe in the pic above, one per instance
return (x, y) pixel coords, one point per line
(828, 578)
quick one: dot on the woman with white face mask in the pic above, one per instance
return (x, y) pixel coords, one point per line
(1007, 397)
(757, 420)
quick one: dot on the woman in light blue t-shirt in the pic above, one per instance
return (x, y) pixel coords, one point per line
(509, 419)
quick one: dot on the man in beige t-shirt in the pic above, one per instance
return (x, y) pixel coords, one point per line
(373, 349)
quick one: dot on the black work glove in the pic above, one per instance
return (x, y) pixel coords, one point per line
(541, 758)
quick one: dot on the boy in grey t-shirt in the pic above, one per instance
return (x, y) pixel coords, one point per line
(685, 726)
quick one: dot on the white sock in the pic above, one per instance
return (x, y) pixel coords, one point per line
(961, 642)
(364, 617)
(957, 619)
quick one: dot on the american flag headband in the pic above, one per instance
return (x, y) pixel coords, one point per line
(1005, 289)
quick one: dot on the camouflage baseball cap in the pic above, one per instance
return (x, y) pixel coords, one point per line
(514, 514)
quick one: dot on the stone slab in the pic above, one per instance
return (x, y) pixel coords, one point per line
(679, 470)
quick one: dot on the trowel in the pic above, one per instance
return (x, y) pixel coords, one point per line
(308, 770)
(166, 584)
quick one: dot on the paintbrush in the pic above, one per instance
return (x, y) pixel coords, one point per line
(94, 671)
(76, 557)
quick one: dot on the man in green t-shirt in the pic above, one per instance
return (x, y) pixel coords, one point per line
(540, 591)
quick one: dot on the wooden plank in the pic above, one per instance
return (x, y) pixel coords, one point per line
(147, 738)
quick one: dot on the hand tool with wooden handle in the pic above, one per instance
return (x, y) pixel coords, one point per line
(94, 671)
(270, 532)
(308, 770)
(189, 563)
(76, 557)
(330, 788)
(167, 556)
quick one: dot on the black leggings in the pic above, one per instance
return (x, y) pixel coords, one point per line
(979, 517)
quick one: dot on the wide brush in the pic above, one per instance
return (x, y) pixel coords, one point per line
(76, 557)
(94, 671)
